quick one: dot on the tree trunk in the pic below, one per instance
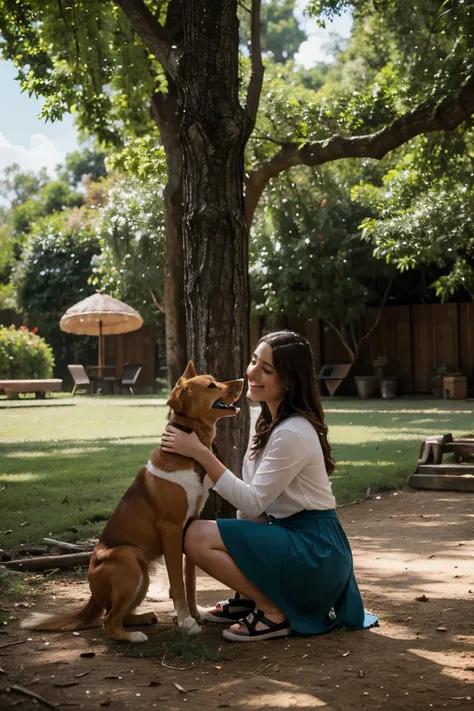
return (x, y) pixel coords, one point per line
(166, 113)
(213, 135)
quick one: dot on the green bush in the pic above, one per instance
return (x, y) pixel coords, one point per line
(24, 355)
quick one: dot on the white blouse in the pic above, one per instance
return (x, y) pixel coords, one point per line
(287, 476)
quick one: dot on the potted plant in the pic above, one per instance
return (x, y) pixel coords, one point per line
(366, 386)
(437, 381)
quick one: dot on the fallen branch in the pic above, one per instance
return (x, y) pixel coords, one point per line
(258, 671)
(27, 692)
(46, 562)
(12, 644)
(67, 546)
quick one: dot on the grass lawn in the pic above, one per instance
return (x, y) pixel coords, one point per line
(65, 464)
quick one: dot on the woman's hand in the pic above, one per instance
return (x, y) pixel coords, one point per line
(175, 441)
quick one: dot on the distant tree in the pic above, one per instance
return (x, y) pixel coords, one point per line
(307, 256)
(83, 163)
(53, 274)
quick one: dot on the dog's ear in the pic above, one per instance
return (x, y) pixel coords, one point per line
(190, 372)
(175, 400)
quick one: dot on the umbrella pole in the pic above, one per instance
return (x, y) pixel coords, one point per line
(101, 351)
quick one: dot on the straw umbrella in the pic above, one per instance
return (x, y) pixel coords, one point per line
(100, 315)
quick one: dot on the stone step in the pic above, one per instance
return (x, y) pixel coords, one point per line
(445, 468)
(468, 445)
(442, 482)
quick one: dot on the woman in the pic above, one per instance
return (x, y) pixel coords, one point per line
(290, 561)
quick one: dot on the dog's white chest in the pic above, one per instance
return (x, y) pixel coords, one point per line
(191, 483)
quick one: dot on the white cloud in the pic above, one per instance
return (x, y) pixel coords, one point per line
(312, 51)
(317, 46)
(42, 152)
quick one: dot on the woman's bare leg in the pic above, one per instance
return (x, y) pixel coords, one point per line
(204, 545)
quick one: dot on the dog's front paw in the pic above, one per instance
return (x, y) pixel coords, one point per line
(189, 626)
(138, 637)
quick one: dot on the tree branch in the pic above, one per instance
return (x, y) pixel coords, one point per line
(342, 339)
(158, 305)
(268, 138)
(256, 80)
(434, 115)
(376, 322)
(153, 35)
(244, 7)
(354, 339)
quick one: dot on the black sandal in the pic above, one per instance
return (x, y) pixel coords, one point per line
(230, 610)
(274, 629)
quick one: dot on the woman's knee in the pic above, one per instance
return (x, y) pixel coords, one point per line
(202, 535)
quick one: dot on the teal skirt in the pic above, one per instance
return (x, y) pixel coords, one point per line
(303, 563)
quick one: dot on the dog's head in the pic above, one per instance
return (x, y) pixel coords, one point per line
(203, 398)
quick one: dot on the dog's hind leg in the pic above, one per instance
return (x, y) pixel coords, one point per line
(173, 551)
(128, 589)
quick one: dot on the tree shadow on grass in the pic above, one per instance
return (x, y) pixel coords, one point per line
(65, 487)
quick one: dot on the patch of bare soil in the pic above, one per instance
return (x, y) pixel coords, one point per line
(414, 560)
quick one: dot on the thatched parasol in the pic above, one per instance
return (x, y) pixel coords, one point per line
(100, 315)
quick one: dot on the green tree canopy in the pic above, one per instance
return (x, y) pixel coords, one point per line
(307, 256)
(280, 30)
(56, 263)
(424, 211)
(81, 163)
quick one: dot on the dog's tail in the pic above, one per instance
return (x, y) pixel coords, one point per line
(85, 618)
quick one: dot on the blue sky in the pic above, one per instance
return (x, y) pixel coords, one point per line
(33, 143)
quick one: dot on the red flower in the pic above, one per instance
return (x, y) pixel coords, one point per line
(23, 328)
(34, 330)
(323, 202)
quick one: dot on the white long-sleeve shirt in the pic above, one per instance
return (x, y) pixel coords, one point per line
(287, 476)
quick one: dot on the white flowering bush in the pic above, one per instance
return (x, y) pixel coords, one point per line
(131, 234)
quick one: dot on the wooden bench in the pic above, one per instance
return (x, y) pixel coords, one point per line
(13, 388)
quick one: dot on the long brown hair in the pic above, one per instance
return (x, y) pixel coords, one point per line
(294, 363)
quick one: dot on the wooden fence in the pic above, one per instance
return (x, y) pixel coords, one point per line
(416, 340)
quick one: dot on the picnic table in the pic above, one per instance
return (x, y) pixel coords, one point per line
(97, 375)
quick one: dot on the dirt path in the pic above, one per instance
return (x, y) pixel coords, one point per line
(406, 545)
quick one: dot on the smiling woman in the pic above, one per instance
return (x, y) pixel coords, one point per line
(289, 562)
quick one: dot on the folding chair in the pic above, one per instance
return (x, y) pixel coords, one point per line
(80, 377)
(129, 377)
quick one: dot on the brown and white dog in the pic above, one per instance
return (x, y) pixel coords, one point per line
(149, 522)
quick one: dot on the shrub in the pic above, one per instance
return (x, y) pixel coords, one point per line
(24, 354)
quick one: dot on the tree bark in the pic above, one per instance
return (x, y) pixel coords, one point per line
(167, 115)
(213, 136)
